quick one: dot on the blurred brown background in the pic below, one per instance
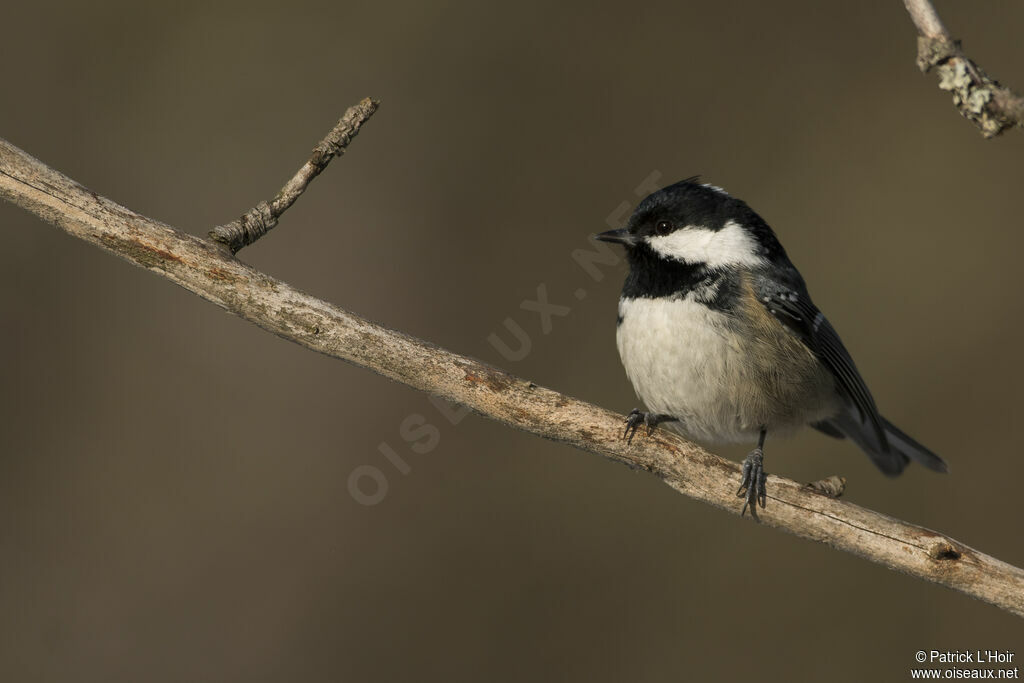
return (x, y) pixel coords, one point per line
(174, 489)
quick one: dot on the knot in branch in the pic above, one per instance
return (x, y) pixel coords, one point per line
(934, 51)
(252, 225)
(978, 97)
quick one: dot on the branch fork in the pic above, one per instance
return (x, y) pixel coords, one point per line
(257, 221)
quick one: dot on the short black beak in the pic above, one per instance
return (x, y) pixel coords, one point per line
(621, 236)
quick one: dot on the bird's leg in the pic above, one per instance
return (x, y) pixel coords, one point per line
(637, 418)
(752, 488)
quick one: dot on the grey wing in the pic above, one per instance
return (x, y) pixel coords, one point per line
(792, 305)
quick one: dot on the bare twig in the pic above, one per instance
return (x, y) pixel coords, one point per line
(926, 19)
(257, 221)
(202, 266)
(979, 98)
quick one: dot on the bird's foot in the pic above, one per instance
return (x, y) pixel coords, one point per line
(752, 488)
(637, 418)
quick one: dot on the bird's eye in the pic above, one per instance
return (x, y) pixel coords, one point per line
(663, 227)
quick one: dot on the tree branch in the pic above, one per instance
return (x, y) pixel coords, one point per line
(204, 267)
(979, 98)
(257, 221)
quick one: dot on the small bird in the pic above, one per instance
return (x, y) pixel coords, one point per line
(719, 336)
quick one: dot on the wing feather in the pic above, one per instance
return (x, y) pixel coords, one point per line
(792, 306)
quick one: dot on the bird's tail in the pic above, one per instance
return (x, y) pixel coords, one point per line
(890, 457)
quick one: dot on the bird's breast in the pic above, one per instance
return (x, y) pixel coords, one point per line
(723, 378)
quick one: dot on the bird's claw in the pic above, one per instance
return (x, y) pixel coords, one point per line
(752, 487)
(633, 422)
(637, 417)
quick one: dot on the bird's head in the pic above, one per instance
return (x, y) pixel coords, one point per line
(698, 225)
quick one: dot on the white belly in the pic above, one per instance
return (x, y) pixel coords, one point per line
(690, 362)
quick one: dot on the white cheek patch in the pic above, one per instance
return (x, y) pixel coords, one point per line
(730, 246)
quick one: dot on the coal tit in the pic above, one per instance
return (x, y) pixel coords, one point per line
(720, 338)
